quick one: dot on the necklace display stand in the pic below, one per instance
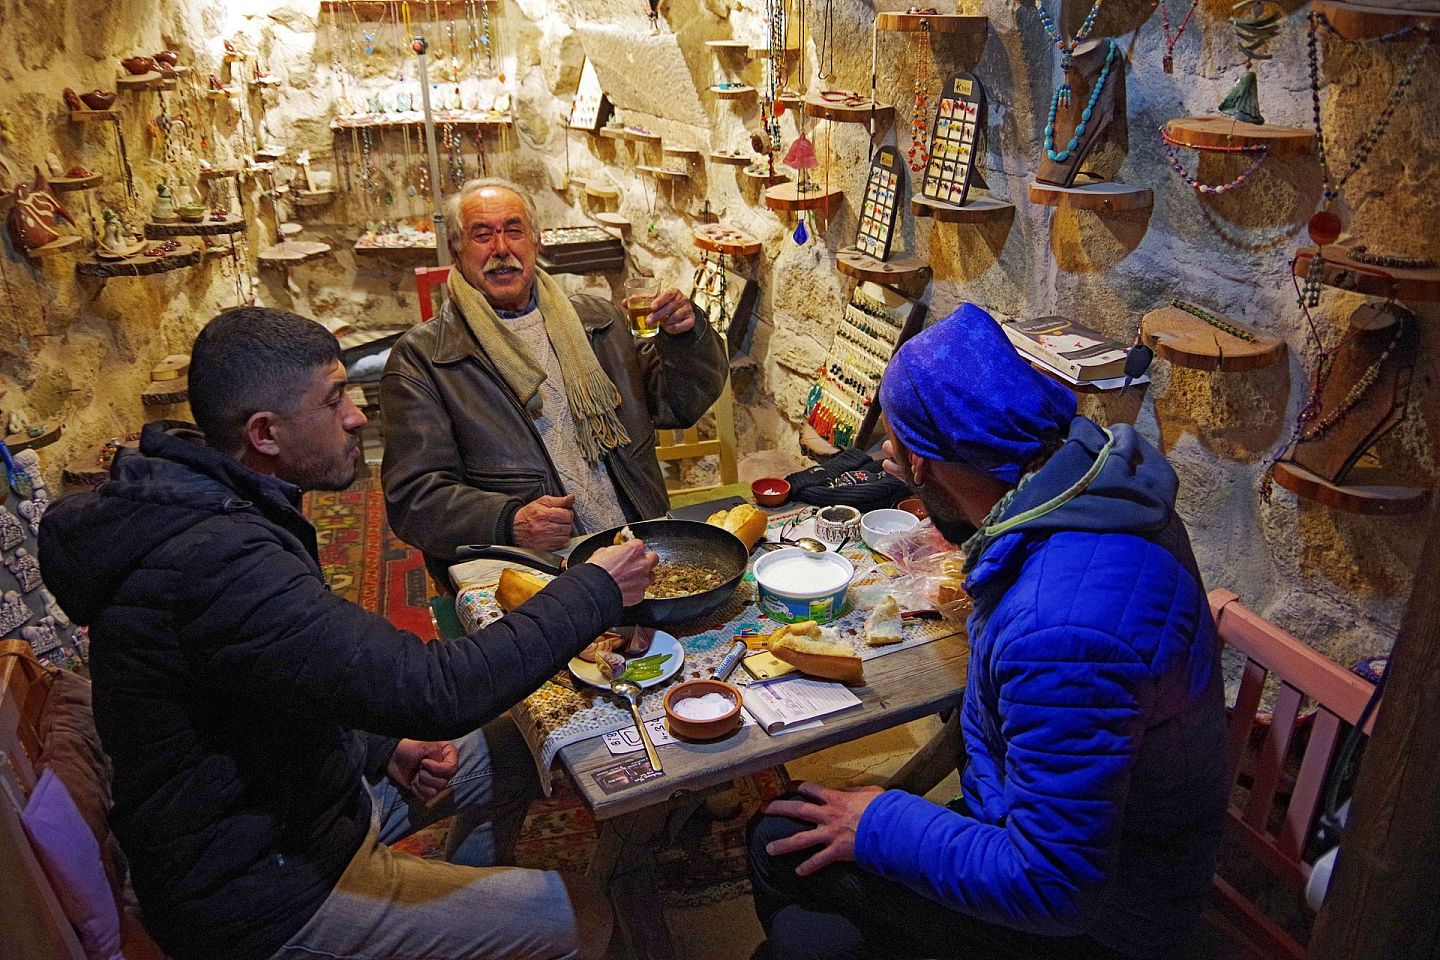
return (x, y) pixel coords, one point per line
(1101, 111)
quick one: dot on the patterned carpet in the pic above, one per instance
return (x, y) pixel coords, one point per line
(366, 563)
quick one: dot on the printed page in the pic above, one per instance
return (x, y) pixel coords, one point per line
(778, 704)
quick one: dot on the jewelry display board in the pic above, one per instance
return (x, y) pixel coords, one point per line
(843, 403)
(884, 192)
(959, 121)
(727, 298)
(591, 107)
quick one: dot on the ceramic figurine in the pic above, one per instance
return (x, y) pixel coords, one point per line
(183, 196)
(138, 66)
(16, 423)
(33, 510)
(12, 533)
(42, 635)
(78, 172)
(53, 166)
(99, 99)
(25, 568)
(72, 99)
(164, 209)
(14, 613)
(113, 240)
(52, 606)
(29, 461)
(216, 84)
(34, 216)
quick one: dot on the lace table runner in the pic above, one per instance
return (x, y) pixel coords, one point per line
(564, 710)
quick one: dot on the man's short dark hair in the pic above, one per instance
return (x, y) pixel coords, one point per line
(251, 359)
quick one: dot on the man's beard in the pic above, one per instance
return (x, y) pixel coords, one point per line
(952, 526)
(318, 474)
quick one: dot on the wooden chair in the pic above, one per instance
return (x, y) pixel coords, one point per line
(1339, 697)
(680, 445)
(426, 280)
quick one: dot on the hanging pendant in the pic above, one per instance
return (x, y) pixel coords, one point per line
(1168, 63)
(801, 235)
(1062, 96)
(1324, 227)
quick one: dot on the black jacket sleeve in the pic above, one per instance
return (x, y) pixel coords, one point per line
(684, 373)
(263, 628)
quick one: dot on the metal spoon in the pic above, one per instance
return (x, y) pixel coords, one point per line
(810, 545)
(630, 693)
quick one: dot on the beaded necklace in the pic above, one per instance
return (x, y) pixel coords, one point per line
(1062, 95)
(1067, 46)
(1356, 392)
(1168, 61)
(920, 118)
(1224, 326)
(1168, 144)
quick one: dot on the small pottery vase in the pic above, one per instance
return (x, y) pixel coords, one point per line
(183, 196)
(164, 209)
(78, 172)
(72, 99)
(167, 56)
(139, 66)
(98, 99)
(191, 213)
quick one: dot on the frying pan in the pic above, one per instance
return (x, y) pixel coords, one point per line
(675, 541)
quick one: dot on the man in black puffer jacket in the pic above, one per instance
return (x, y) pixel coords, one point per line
(255, 719)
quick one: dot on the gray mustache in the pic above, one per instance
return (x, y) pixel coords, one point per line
(506, 262)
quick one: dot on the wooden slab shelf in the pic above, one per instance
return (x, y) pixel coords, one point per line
(783, 196)
(617, 220)
(639, 136)
(842, 113)
(165, 392)
(172, 367)
(217, 172)
(861, 266)
(1341, 270)
(1187, 341)
(292, 253)
(386, 9)
(49, 433)
(718, 238)
(52, 249)
(938, 23)
(758, 52)
(663, 173)
(271, 153)
(1369, 499)
(977, 210)
(601, 192)
(312, 198)
(612, 133)
(689, 153)
(413, 118)
(232, 223)
(1103, 197)
(86, 116)
(1202, 132)
(733, 93)
(729, 46)
(186, 256)
(131, 83)
(764, 176)
(1355, 22)
(731, 159)
(68, 184)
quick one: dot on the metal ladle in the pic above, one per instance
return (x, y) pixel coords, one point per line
(630, 693)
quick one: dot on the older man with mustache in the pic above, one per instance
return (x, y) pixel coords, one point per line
(522, 416)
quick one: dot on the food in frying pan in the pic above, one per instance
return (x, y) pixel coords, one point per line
(675, 579)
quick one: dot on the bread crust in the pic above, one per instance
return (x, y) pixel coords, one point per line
(802, 646)
(517, 586)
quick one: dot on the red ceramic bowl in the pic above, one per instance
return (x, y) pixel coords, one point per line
(688, 729)
(913, 505)
(770, 491)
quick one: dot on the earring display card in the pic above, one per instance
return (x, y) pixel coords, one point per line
(727, 298)
(884, 190)
(844, 389)
(959, 121)
(591, 108)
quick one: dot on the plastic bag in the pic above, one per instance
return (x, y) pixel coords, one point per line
(930, 569)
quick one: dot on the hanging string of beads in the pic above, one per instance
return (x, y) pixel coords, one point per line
(1260, 153)
(1067, 46)
(1168, 61)
(1062, 95)
(919, 152)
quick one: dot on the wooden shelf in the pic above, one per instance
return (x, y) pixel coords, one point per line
(216, 172)
(729, 46)
(292, 253)
(1187, 341)
(186, 256)
(938, 23)
(1354, 22)
(1369, 499)
(271, 153)
(731, 159)
(1104, 197)
(1344, 272)
(312, 198)
(601, 192)
(840, 113)
(639, 136)
(224, 94)
(663, 173)
(49, 433)
(68, 184)
(386, 9)
(232, 223)
(415, 118)
(173, 367)
(762, 52)
(617, 220)
(768, 179)
(86, 116)
(144, 81)
(612, 133)
(385, 243)
(51, 249)
(861, 266)
(783, 196)
(718, 238)
(977, 210)
(1203, 132)
(269, 80)
(689, 153)
(733, 93)
(165, 392)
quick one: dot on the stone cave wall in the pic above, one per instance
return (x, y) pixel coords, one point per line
(81, 353)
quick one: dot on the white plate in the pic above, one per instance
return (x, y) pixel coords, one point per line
(663, 643)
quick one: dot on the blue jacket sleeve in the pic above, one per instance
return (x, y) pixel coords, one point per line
(1072, 703)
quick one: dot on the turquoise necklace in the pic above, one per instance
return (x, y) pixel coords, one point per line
(1063, 94)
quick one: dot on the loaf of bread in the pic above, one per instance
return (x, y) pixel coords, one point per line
(745, 521)
(517, 586)
(884, 625)
(811, 650)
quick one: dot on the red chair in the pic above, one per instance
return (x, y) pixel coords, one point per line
(1339, 697)
(425, 279)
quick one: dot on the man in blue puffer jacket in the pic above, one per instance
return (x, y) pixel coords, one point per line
(1093, 716)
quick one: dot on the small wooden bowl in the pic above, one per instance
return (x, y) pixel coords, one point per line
(913, 505)
(770, 491)
(687, 729)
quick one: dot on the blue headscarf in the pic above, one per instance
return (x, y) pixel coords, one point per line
(959, 393)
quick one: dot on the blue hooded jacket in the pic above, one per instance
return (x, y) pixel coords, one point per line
(1093, 718)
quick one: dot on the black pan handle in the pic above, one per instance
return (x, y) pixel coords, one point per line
(551, 563)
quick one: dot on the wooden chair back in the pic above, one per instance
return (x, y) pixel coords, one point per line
(680, 445)
(1271, 826)
(426, 280)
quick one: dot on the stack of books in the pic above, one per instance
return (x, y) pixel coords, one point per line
(1073, 353)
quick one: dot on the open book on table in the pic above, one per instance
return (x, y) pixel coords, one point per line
(778, 705)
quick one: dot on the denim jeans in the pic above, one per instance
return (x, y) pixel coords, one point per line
(393, 906)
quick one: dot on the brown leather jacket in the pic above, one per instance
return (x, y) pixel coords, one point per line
(461, 454)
